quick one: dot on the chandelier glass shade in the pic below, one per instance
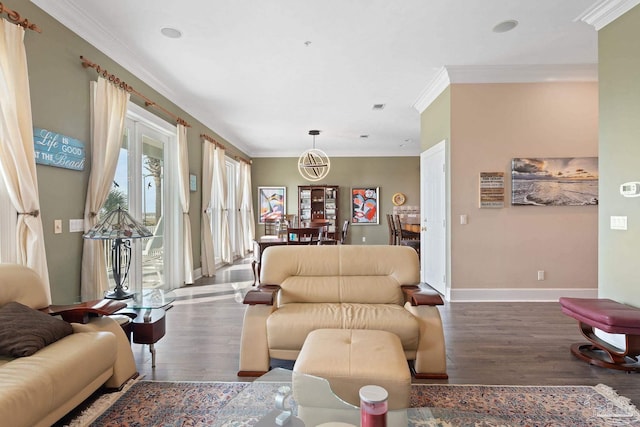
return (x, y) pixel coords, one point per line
(314, 164)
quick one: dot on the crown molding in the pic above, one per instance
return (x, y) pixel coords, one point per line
(542, 73)
(429, 94)
(604, 12)
(92, 31)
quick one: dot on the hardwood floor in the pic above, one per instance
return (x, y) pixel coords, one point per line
(518, 343)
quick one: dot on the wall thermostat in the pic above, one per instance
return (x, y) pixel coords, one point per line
(630, 189)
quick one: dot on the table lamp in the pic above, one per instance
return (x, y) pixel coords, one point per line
(120, 227)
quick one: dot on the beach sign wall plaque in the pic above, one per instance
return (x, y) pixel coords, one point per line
(54, 149)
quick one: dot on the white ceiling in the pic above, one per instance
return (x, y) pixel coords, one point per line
(244, 67)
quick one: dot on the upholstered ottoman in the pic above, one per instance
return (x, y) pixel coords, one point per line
(352, 358)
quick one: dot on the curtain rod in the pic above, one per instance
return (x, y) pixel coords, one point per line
(243, 160)
(217, 144)
(211, 140)
(123, 85)
(15, 17)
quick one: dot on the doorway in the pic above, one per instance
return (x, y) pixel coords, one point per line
(433, 241)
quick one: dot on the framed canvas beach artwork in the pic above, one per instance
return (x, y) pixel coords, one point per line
(364, 205)
(548, 181)
(272, 203)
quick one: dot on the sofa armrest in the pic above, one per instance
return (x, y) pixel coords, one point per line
(419, 296)
(264, 294)
(82, 312)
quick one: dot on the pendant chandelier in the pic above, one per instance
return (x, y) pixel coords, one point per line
(314, 164)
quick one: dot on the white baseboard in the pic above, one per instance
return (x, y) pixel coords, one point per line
(506, 295)
(197, 274)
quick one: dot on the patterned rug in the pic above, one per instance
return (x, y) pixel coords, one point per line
(150, 403)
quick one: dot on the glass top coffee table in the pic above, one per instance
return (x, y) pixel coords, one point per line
(256, 406)
(150, 298)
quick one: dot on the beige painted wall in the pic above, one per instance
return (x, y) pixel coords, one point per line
(391, 174)
(60, 102)
(619, 68)
(504, 248)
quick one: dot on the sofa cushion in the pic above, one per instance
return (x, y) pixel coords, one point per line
(289, 325)
(23, 330)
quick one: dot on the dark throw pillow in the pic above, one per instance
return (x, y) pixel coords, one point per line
(23, 330)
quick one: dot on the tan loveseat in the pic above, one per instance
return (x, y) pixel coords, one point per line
(38, 390)
(304, 288)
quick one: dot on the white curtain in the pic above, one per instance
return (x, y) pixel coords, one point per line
(183, 186)
(17, 159)
(241, 248)
(246, 207)
(109, 109)
(208, 253)
(220, 188)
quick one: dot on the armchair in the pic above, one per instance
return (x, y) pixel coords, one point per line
(39, 389)
(304, 288)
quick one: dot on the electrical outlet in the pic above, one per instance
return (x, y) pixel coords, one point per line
(57, 226)
(540, 274)
(364, 239)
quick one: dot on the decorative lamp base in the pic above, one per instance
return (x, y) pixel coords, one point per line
(119, 293)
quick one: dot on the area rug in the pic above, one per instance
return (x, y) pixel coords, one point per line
(151, 403)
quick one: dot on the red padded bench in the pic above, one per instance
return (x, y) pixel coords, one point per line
(608, 316)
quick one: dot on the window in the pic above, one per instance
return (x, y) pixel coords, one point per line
(232, 170)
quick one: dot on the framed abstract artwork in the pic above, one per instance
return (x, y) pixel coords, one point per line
(548, 181)
(364, 205)
(272, 202)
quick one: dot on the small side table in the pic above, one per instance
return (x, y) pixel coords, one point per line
(148, 317)
(148, 327)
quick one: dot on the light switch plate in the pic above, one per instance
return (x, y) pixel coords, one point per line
(57, 226)
(76, 225)
(618, 222)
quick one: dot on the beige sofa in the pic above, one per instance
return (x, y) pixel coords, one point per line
(304, 288)
(38, 390)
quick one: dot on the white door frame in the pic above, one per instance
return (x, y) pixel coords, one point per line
(173, 270)
(434, 251)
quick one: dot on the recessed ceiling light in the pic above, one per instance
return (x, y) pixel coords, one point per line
(505, 26)
(172, 33)
(378, 106)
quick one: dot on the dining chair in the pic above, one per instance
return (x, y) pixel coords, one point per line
(405, 237)
(393, 233)
(271, 226)
(345, 230)
(304, 236)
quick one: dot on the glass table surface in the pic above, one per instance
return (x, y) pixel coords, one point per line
(151, 298)
(313, 403)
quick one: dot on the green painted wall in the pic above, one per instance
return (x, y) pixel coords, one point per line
(391, 174)
(435, 121)
(60, 102)
(619, 68)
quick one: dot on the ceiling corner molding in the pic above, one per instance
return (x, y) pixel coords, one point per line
(435, 87)
(86, 27)
(604, 12)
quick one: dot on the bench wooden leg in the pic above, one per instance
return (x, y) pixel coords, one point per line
(605, 355)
